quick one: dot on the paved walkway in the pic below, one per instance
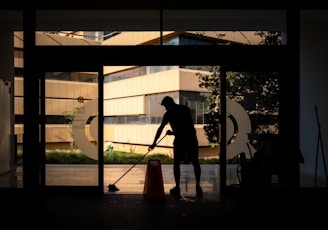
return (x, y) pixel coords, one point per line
(133, 179)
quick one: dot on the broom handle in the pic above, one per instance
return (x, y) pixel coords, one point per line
(138, 161)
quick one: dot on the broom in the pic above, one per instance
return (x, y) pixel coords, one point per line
(112, 187)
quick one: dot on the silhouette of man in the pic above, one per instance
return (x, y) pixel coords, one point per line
(185, 145)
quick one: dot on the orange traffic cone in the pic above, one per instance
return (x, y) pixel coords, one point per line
(154, 186)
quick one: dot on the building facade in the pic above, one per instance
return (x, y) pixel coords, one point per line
(132, 94)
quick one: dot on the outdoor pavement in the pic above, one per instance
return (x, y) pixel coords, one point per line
(129, 179)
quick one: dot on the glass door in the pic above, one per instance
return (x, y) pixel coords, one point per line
(71, 129)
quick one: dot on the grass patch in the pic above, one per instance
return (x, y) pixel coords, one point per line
(131, 158)
(67, 157)
(77, 157)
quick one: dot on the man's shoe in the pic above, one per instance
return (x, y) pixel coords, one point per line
(175, 191)
(199, 191)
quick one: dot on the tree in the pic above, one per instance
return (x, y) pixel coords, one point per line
(264, 85)
(69, 117)
(211, 116)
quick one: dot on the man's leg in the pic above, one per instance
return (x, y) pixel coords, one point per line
(197, 170)
(176, 172)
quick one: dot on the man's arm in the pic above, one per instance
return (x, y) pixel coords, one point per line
(159, 132)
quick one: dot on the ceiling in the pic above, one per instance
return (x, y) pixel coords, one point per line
(149, 19)
(136, 16)
(159, 15)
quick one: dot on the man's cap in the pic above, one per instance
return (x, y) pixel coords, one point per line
(167, 101)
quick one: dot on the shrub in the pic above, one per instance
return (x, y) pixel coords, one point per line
(77, 157)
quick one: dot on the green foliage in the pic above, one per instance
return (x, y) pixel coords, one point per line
(270, 37)
(209, 161)
(69, 117)
(77, 157)
(131, 158)
(264, 85)
(67, 157)
(211, 116)
(61, 156)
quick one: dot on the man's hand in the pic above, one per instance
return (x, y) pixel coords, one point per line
(151, 147)
(169, 132)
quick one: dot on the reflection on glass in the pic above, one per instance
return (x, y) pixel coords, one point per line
(71, 111)
(167, 38)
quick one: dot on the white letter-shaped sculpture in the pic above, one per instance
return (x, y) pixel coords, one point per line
(79, 128)
(243, 122)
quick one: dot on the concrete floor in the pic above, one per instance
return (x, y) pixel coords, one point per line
(128, 208)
